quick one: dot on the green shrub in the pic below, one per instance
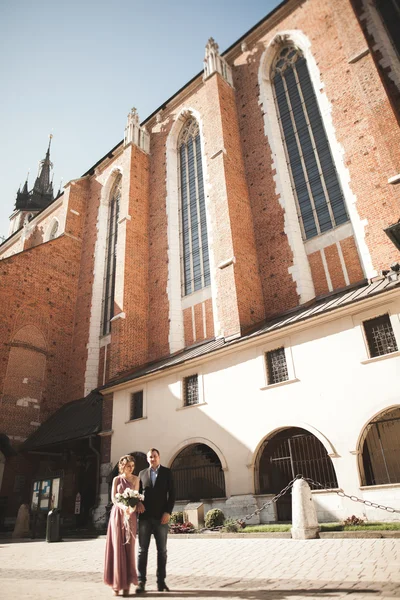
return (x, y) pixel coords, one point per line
(176, 517)
(214, 518)
(231, 526)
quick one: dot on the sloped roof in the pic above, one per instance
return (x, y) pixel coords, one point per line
(302, 313)
(75, 420)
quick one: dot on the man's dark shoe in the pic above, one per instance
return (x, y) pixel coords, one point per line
(162, 587)
(141, 588)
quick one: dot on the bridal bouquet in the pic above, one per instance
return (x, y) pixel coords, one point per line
(130, 498)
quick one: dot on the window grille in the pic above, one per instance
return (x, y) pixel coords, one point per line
(379, 461)
(390, 15)
(380, 336)
(288, 453)
(198, 474)
(111, 256)
(276, 366)
(193, 224)
(315, 183)
(191, 390)
(136, 405)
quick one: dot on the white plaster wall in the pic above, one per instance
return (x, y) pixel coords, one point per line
(388, 495)
(335, 390)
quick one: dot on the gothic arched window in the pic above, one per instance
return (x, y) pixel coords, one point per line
(315, 183)
(111, 255)
(54, 230)
(193, 223)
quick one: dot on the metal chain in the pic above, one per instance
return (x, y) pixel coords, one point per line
(271, 501)
(342, 494)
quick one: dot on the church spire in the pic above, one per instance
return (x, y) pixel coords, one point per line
(25, 188)
(42, 193)
(43, 183)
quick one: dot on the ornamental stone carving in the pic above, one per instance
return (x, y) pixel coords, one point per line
(214, 63)
(135, 134)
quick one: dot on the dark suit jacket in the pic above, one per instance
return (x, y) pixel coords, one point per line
(159, 499)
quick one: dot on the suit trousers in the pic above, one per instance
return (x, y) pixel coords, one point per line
(147, 527)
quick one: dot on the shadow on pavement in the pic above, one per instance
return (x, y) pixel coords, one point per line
(257, 594)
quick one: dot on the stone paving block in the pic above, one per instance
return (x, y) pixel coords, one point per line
(224, 569)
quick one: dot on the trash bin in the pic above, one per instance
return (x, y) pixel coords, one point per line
(53, 526)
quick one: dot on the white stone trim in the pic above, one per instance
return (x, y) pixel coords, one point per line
(193, 324)
(326, 270)
(300, 271)
(342, 262)
(203, 314)
(176, 302)
(197, 297)
(395, 179)
(333, 236)
(120, 315)
(358, 56)
(382, 357)
(93, 345)
(227, 263)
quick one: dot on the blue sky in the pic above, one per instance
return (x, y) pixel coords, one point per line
(76, 68)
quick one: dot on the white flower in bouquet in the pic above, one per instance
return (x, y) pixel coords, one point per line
(129, 497)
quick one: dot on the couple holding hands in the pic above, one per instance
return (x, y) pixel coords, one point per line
(152, 513)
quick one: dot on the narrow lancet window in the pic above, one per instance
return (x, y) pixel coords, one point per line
(315, 183)
(111, 256)
(193, 224)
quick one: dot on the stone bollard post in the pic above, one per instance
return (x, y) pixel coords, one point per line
(304, 516)
(21, 529)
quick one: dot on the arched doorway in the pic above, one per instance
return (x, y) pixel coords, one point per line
(288, 453)
(379, 461)
(198, 474)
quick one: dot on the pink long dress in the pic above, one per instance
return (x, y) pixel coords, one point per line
(120, 562)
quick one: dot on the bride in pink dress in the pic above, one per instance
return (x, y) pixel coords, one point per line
(120, 561)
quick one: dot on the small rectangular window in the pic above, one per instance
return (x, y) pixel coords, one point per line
(276, 366)
(136, 405)
(191, 390)
(380, 336)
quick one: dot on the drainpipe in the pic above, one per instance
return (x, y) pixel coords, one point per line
(97, 453)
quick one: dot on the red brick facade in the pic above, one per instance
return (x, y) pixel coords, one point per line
(51, 292)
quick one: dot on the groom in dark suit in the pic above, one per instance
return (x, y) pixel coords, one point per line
(159, 497)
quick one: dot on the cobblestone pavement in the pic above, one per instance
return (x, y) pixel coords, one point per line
(220, 569)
